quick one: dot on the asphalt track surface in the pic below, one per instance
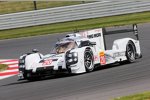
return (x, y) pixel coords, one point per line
(102, 84)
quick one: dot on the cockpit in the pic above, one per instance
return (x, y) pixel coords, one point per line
(63, 46)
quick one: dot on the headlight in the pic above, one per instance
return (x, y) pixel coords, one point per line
(21, 66)
(71, 58)
(75, 59)
(70, 55)
(21, 61)
(75, 54)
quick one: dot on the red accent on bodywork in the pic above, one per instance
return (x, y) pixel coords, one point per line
(47, 62)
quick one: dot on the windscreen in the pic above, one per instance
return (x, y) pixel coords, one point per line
(63, 47)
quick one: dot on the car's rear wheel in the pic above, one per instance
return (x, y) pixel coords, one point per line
(88, 60)
(130, 52)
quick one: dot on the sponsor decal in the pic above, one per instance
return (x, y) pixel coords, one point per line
(47, 62)
(102, 58)
(94, 35)
(95, 58)
(118, 54)
(84, 34)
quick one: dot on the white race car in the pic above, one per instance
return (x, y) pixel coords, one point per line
(79, 53)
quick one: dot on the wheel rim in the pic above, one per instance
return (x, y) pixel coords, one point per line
(88, 60)
(130, 52)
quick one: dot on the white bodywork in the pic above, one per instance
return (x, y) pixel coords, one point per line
(58, 62)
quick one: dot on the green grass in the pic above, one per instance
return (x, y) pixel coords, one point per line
(18, 6)
(141, 96)
(3, 67)
(73, 25)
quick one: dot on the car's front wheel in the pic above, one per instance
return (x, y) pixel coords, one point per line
(88, 60)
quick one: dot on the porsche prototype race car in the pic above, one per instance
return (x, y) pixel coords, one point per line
(79, 53)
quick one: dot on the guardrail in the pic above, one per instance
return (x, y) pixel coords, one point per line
(72, 13)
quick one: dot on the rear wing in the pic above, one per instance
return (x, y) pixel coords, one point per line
(122, 29)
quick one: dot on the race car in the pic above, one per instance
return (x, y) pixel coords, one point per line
(79, 53)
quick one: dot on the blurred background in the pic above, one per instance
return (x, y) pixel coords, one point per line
(19, 6)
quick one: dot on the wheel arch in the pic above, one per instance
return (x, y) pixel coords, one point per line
(120, 44)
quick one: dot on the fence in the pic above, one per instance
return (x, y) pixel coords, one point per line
(72, 13)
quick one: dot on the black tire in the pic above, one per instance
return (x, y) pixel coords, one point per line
(130, 52)
(25, 75)
(88, 60)
(33, 78)
(30, 77)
